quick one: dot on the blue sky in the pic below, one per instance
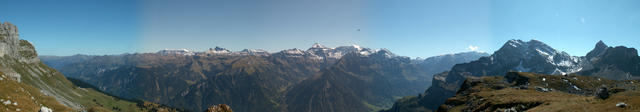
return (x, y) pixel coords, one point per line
(415, 28)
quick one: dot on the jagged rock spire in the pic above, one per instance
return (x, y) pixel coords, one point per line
(12, 45)
(599, 49)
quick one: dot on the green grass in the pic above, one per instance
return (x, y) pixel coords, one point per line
(558, 100)
(23, 94)
(372, 107)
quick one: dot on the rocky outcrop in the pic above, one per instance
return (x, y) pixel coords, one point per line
(597, 51)
(11, 45)
(219, 108)
(602, 93)
(513, 77)
(618, 63)
(19, 61)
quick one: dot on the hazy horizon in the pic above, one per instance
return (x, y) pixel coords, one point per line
(408, 28)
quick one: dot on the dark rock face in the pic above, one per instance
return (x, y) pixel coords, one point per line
(597, 51)
(618, 63)
(514, 77)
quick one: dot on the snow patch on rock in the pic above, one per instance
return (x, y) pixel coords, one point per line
(45, 109)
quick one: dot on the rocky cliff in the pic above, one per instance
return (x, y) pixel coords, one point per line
(20, 66)
(11, 45)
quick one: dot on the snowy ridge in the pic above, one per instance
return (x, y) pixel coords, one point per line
(251, 52)
(538, 53)
(218, 50)
(337, 52)
(176, 52)
(316, 51)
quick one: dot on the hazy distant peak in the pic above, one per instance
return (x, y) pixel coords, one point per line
(218, 50)
(175, 52)
(356, 46)
(384, 52)
(252, 52)
(294, 51)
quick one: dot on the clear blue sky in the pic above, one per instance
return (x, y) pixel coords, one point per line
(419, 28)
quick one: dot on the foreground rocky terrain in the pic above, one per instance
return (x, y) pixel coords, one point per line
(520, 91)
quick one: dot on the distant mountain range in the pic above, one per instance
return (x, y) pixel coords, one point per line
(616, 63)
(344, 78)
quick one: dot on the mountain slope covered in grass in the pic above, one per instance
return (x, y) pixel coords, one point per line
(33, 84)
(519, 91)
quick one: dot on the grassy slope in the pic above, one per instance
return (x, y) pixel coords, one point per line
(485, 94)
(39, 85)
(48, 79)
(52, 83)
(28, 98)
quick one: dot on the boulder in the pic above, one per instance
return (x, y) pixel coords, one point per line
(602, 93)
(45, 109)
(621, 105)
(517, 78)
(542, 89)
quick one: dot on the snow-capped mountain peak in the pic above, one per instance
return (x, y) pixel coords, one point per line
(379, 52)
(356, 46)
(252, 52)
(176, 51)
(337, 52)
(318, 45)
(218, 50)
(515, 43)
(532, 54)
(293, 51)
